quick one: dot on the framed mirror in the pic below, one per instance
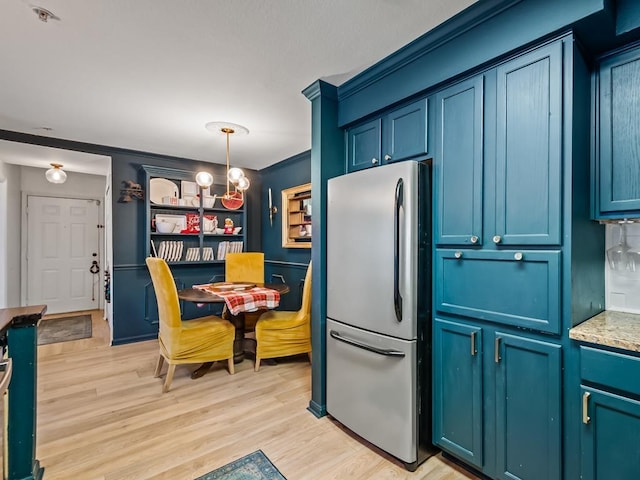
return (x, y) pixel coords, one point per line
(296, 217)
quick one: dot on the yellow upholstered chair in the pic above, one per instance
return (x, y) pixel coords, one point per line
(205, 339)
(245, 267)
(283, 333)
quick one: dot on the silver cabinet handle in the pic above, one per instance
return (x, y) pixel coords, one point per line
(473, 344)
(497, 239)
(387, 157)
(474, 239)
(585, 408)
(374, 160)
(458, 254)
(518, 256)
(496, 354)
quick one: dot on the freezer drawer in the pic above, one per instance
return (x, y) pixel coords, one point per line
(371, 387)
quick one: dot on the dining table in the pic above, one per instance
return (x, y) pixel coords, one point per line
(240, 343)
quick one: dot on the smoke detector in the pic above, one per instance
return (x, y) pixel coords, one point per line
(44, 15)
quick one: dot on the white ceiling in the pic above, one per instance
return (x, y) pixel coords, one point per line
(149, 74)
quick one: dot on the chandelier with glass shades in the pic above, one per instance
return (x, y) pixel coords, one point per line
(231, 199)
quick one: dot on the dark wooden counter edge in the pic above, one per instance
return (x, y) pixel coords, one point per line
(21, 316)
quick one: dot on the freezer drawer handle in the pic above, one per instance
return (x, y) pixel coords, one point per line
(397, 298)
(364, 346)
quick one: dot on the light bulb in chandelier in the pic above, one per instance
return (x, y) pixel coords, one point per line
(234, 175)
(204, 179)
(243, 184)
(56, 174)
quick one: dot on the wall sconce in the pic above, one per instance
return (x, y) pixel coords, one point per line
(130, 191)
(272, 209)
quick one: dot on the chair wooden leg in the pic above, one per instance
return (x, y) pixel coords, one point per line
(169, 377)
(159, 366)
(232, 369)
(257, 367)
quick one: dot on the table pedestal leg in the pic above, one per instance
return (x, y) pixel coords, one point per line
(238, 341)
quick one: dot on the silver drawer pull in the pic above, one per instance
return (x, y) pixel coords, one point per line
(374, 160)
(370, 348)
(496, 352)
(497, 239)
(518, 256)
(387, 158)
(458, 254)
(585, 408)
(474, 239)
(473, 344)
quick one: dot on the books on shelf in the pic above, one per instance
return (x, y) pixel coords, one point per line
(229, 247)
(172, 251)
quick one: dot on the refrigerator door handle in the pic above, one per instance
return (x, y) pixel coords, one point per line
(364, 346)
(397, 298)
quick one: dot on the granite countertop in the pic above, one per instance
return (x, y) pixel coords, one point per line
(613, 329)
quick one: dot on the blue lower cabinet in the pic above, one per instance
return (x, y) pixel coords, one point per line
(457, 400)
(497, 401)
(528, 408)
(610, 436)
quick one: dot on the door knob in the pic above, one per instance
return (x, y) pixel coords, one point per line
(387, 157)
(497, 239)
(458, 254)
(374, 160)
(518, 256)
(474, 239)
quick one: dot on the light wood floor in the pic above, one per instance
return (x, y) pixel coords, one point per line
(102, 416)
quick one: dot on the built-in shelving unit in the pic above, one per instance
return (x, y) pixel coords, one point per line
(296, 217)
(190, 242)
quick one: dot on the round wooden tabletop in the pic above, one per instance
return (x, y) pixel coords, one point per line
(200, 296)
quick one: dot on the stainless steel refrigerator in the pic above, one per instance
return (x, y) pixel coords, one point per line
(379, 307)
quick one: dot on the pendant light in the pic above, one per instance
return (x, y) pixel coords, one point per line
(231, 199)
(56, 174)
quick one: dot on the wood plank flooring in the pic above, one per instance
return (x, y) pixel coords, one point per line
(102, 416)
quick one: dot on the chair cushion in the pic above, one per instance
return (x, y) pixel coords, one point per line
(199, 340)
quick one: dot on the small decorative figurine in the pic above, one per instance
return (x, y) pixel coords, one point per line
(228, 225)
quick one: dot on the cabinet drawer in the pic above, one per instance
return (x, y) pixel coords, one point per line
(496, 286)
(615, 370)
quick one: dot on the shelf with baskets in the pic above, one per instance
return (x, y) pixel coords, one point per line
(180, 228)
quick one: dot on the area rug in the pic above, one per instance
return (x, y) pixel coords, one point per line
(255, 466)
(64, 329)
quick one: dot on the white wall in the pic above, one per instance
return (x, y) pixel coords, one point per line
(9, 235)
(623, 287)
(33, 182)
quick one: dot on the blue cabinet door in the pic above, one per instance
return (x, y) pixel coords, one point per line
(516, 288)
(458, 163)
(529, 148)
(619, 134)
(457, 390)
(405, 132)
(364, 144)
(528, 408)
(610, 436)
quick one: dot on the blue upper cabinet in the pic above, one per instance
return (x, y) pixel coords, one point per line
(458, 163)
(405, 132)
(364, 145)
(616, 181)
(398, 135)
(529, 148)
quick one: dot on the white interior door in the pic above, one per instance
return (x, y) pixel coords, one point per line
(62, 243)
